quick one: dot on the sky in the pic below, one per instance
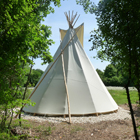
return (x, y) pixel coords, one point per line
(57, 20)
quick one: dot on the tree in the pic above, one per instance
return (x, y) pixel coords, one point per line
(112, 75)
(23, 39)
(88, 5)
(117, 39)
(110, 71)
(100, 73)
(35, 76)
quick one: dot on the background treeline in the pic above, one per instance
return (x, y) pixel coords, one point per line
(113, 76)
(34, 77)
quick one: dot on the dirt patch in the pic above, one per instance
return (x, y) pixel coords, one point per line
(104, 130)
(109, 130)
(136, 109)
(125, 106)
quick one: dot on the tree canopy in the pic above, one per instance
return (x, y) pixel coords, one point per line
(117, 39)
(23, 38)
(35, 76)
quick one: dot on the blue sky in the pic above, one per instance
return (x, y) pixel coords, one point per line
(58, 20)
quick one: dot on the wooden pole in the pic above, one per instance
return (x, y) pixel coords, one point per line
(69, 16)
(75, 21)
(66, 87)
(74, 18)
(96, 114)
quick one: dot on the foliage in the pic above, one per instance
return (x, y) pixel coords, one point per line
(35, 76)
(23, 39)
(117, 39)
(88, 5)
(7, 136)
(100, 73)
(118, 34)
(112, 76)
(49, 130)
(110, 71)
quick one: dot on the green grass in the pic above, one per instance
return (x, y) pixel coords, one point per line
(120, 96)
(25, 123)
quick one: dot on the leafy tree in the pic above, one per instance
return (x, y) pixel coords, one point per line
(110, 71)
(100, 73)
(88, 5)
(117, 39)
(23, 39)
(111, 76)
(35, 76)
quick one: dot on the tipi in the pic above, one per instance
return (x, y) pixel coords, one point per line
(70, 84)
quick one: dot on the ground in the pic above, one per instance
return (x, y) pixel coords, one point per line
(107, 130)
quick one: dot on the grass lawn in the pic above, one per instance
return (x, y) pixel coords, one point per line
(120, 96)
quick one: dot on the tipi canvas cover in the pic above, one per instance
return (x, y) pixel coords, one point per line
(86, 92)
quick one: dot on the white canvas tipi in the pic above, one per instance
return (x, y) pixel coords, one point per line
(70, 84)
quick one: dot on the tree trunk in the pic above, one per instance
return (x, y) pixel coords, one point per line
(132, 115)
(27, 83)
(10, 119)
